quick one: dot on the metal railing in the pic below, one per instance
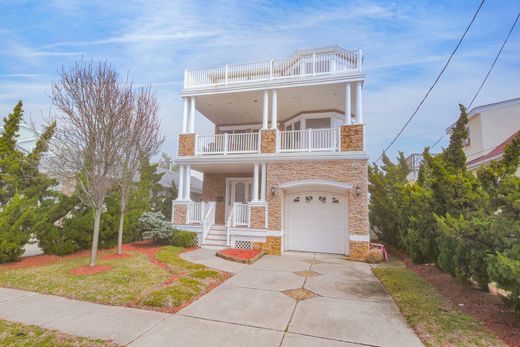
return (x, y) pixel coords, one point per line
(227, 144)
(339, 61)
(310, 140)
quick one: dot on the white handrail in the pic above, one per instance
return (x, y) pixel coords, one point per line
(338, 61)
(208, 220)
(194, 213)
(229, 222)
(241, 216)
(310, 140)
(227, 143)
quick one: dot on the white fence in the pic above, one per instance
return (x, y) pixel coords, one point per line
(227, 143)
(241, 214)
(339, 61)
(194, 213)
(310, 140)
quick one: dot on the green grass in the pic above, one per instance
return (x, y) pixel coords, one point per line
(437, 322)
(133, 281)
(19, 335)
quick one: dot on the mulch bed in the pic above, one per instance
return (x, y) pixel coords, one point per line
(90, 270)
(483, 306)
(246, 256)
(42, 259)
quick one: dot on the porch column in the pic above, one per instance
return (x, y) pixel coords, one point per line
(255, 183)
(348, 106)
(263, 183)
(359, 102)
(274, 110)
(192, 115)
(265, 117)
(188, 183)
(185, 116)
(180, 188)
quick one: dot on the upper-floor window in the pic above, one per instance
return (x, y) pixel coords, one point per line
(467, 141)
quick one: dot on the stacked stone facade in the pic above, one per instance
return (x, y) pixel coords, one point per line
(268, 141)
(179, 213)
(257, 216)
(351, 137)
(186, 145)
(272, 245)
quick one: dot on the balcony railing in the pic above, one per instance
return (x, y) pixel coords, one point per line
(339, 61)
(227, 144)
(310, 140)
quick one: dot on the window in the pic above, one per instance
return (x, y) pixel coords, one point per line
(322, 199)
(308, 198)
(296, 126)
(317, 123)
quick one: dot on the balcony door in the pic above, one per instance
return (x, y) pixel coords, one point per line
(238, 190)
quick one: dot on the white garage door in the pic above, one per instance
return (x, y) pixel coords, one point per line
(316, 222)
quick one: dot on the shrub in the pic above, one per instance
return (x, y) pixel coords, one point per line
(374, 256)
(183, 238)
(154, 227)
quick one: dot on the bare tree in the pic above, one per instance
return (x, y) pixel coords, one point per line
(90, 137)
(143, 140)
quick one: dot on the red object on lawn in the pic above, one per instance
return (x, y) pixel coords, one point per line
(381, 247)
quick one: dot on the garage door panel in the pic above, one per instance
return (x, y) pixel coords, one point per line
(316, 221)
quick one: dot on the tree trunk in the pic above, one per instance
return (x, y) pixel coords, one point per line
(120, 231)
(95, 237)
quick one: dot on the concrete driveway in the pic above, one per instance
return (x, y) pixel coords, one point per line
(298, 299)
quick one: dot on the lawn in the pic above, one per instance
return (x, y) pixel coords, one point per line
(19, 335)
(436, 321)
(156, 278)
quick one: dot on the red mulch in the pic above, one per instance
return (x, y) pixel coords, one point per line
(90, 270)
(42, 259)
(483, 306)
(116, 256)
(240, 253)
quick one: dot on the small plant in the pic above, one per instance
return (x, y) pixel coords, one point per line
(153, 226)
(374, 256)
(183, 238)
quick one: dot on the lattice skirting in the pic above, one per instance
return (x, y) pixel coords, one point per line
(243, 244)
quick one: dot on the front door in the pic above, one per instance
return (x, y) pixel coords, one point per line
(238, 190)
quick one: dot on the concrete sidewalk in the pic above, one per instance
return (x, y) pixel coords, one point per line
(340, 303)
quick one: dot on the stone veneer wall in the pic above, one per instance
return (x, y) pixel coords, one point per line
(214, 186)
(179, 213)
(272, 245)
(257, 220)
(268, 141)
(186, 144)
(351, 137)
(353, 172)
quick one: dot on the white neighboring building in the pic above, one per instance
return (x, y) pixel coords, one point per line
(27, 138)
(490, 128)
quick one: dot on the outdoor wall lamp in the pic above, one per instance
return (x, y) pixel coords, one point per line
(274, 189)
(358, 190)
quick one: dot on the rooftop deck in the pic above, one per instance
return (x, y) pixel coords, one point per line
(301, 65)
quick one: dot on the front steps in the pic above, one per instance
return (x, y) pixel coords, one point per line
(216, 238)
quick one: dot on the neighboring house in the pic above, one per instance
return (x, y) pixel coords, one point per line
(414, 161)
(286, 168)
(170, 175)
(27, 138)
(490, 128)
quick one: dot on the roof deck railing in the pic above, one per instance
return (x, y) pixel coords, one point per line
(298, 66)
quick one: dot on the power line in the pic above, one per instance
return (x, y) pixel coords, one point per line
(488, 73)
(435, 82)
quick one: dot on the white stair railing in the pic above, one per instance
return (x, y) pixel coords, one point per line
(227, 143)
(241, 214)
(194, 213)
(208, 220)
(310, 140)
(229, 223)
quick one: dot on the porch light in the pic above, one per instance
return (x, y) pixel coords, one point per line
(274, 189)
(358, 190)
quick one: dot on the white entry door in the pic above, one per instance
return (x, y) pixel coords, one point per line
(238, 190)
(316, 222)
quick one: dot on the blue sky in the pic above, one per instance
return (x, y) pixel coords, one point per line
(405, 43)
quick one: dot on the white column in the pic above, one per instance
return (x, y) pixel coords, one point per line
(274, 110)
(185, 116)
(348, 106)
(263, 183)
(359, 104)
(265, 118)
(180, 188)
(255, 183)
(192, 115)
(188, 183)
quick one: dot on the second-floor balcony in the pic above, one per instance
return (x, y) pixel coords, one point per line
(289, 141)
(302, 64)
